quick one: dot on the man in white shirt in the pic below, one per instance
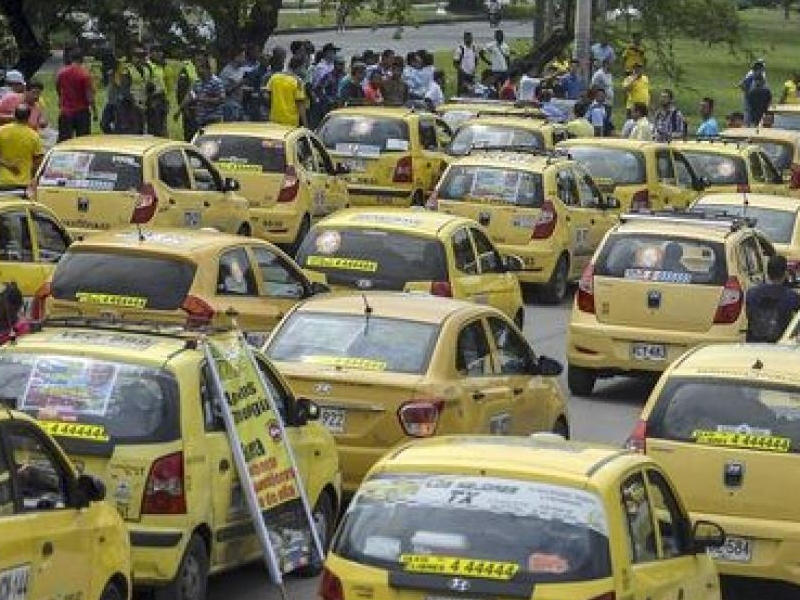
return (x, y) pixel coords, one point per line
(498, 55)
(528, 84)
(434, 96)
(465, 61)
(603, 80)
(603, 51)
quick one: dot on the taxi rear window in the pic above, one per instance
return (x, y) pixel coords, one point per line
(141, 281)
(363, 135)
(476, 135)
(719, 169)
(245, 153)
(777, 225)
(623, 167)
(787, 121)
(421, 527)
(353, 341)
(90, 403)
(662, 259)
(92, 170)
(508, 186)
(373, 259)
(729, 413)
(779, 153)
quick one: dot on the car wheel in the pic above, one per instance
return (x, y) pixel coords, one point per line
(561, 427)
(324, 521)
(302, 232)
(112, 592)
(191, 580)
(244, 230)
(519, 318)
(580, 381)
(418, 199)
(555, 290)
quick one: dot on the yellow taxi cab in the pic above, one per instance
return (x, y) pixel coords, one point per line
(170, 275)
(390, 366)
(787, 116)
(782, 146)
(732, 413)
(137, 406)
(284, 172)
(732, 166)
(422, 251)
(94, 183)
(646, 175)
(510, 131)
(545, 209)
(394, 155)
(32, 239)
(658, 285)
(456, 111)
(519, 517)
(59, 539)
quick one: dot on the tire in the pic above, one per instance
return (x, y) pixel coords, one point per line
(244, 230)
(555, 290)
(580, 381)
(191, 580)
(302, 232)
(561, 427)
(325, 520)
(418, 199)
(112, 592)
(519, 318)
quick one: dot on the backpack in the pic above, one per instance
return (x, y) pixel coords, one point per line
(767, 317)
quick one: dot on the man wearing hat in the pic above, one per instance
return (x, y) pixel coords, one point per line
(15, 82)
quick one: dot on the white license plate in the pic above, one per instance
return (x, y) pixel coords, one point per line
(14, 583)
(649, 352)
(735, 549)
(333, 418)
(356, 165)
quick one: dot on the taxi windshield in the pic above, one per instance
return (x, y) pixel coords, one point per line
(777, 224)
(355, 342)
(243, 152)
(90, 401)
(623, 167)
(372, 259)
(787, 120)
(718, 169)
(476, 135)
(92, 170)
(662, 259)
(729, 412)
(510, 186)
(362, 135)
(424, 524)
(779, 153)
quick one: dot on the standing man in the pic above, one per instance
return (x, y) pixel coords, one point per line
(207, 96)
(633, 54)
(758, 100)
(770, 305)
(497, 55)
(598, 114)
(669, 121)
(465, 61)
(759, 69)
(602, 51)
(30, 96)
(20, 151)
(158, 105)
(187, 75)
(709, 126)
(76, 105)
(603, 80)
(572, 83)
(232, 76)
(637, 88)
(135, 89)
(286, 95)
(642, 128)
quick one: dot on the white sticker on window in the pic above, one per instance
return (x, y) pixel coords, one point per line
(397, 145)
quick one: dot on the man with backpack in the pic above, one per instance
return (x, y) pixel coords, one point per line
(770, 305)
(465, 61)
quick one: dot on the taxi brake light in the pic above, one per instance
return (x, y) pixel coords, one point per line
(545, 223)
(585, 296)
(730, 303)
(640, 201)
(289, 186)
(198, 311)
(330, 586)
(404, 170)
(794, 182)
(638, 439)
(164, 489)
(39, 301)
(420, 418)
(441, 288)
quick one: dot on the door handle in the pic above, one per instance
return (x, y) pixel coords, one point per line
(591, 221)
(47, 549)
(206, 203)
(518, 391)
(568, 219)
(478, 395)
(680, 593)
(224, 465)
(171, 201)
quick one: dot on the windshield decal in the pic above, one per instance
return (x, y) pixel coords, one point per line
(364, 364)
(111, 300)
(348, 264)
(76, 431)
(771, 443)
(454, 566)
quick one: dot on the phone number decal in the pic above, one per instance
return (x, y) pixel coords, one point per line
(464, 567)
(743, 440)
(78, 431)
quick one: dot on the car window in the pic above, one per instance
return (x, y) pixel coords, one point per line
(473, 356)
(236, 274)
(664, 167)
(15, 237)
(277, 280)
(172, 170)
(464, 253)
(444, 133)
(514, 356)
(475, 135)
(92, 170)
(322, 156)
(683, 171)
(305, 155)
(620, 166)
(204, 176)
(750, 259)
(755, 167)
(588, 195)
(719, 169)
(777, 223)
(53, 240)
(673, 526)
(243, 153)
(566, 187)
(639, 519)
(212, 415)
(488, 257)
(779, 153)
(771, 174)
(364, 135)
(512, 186)
(41, 481)
(427, 134)
(6, 491)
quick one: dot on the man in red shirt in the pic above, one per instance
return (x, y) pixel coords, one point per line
(75, 98)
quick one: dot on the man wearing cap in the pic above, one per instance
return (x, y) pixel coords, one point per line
(135, 88)
(20, 150)
(30, 96)
(14, 82)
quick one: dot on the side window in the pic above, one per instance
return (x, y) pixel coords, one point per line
(751, 261)
(15, 237)
(212, 416)
(588, 195)
(639, 519)
(673, 525)
(444, 132)
(473, 357)
(464, 253)
(6, 493)
(566, 188)
(321, 156)
(280, 395)
(53, 240)
(172, 170)
(236, 274)
(42, 482)
(683, 171)
(276, 279)
(488, 257)
(305, 155)
(514, 356)
(770, 172)
(756, 168)
(427, 135)
(664, 167)
(206, 178)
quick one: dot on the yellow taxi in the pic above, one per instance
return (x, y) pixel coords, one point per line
(519, 517)
(509, 131)
(422, 251)
(393, 156)
(457, 110)
(137, 406)
(658, 285)
(787, 116)
(732, 413)
(782, 146)
(544, 209)
(284, 172)
(172, 275)
(32, 240)
(646, 175)
(59, 539)
(386, 367)
(93, 183)
(732, 166)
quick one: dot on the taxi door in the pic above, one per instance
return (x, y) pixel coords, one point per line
(216, 208)
(667, 193)
(237, 291)
(772, 179)
(578, 221)
(465, 279)
(333, 189)
(431, 155)
(18, 253)
(16, 546)
(591, 200)
(178, 205)
(688, 181)
(501, 287)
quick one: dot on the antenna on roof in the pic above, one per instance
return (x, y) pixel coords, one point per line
(367, 312)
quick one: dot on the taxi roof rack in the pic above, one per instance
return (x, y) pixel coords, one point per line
(556, 153)
(716, 219)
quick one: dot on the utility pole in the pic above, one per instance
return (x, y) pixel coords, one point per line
(538, 23)
(583, 35)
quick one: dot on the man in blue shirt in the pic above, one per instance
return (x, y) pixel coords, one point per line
(709, 126)
(573, 85)
(770, 305)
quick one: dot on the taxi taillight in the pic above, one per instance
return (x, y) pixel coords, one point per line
(441, 288)
(585, 296)
(637, 441)
(730, 303)
(330, 586)
(545, 223)
(404, 170)
(794, 182)
(289, 186)
(198, 311)
(164, 491)
(640, 201)
(39, 304)
(419, 418)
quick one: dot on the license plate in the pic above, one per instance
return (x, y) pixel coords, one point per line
(333, 419)
(735, 549)
(649, 352)
(356, 165)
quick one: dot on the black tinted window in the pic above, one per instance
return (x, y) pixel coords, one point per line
(620, 166)
(172, 170)
(341, 133)
(719, 169)
(480, 134)
(243, 153)
(92, 170)
(787, 121)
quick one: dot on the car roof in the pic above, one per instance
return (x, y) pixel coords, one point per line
(129, 144)
(14, 202)
(396, 112)
(178, 242)
(699, 229)
(756, 362)
(715, 146)
(765, 133)
(620, 143)
(426, 223)
(787, 203)
(265, 129)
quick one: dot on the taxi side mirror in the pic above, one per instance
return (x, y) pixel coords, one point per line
(88, 489)
(230, 185)
(705, 535)
(701, 183)
(548, 367)
(305, 410)
(611, 202)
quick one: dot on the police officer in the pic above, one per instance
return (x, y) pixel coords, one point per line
(135, 89)
(158, 104)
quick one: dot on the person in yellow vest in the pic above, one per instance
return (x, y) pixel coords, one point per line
(135, 89)
(158, 104)
(790, 89)
(187, 75)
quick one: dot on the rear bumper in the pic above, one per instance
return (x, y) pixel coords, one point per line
(368, 195)
(156, 554)
(539, 262)
(278, 224)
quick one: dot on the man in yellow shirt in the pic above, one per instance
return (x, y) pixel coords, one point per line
(286, 95)
(637, 88)
(20, 150)
(790, 89)
(633, 54)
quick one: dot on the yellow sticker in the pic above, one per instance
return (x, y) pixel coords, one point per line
(350, 264)
(111, 300)
(464, 567)
(367, 364)
(742, 440)
(78, 431)
(240, 167)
